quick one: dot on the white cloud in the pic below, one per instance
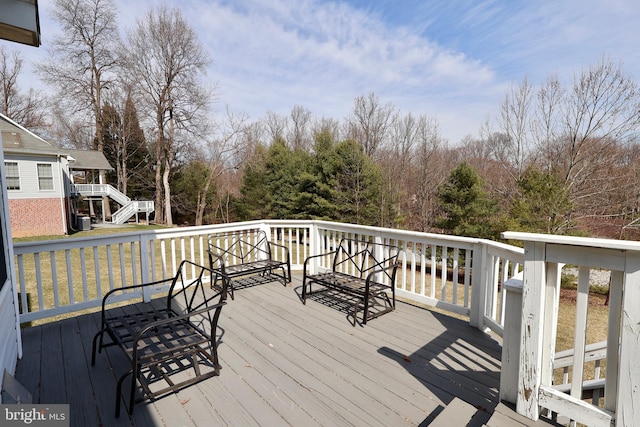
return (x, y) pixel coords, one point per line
(453, 60)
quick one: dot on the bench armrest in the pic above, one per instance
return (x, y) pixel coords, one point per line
(286, 249)
(384, 270)
(113, 292)
(215, 257)
(310, 257)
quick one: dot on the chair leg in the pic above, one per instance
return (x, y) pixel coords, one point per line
(119, 393)
(95, 342)
(132, 394)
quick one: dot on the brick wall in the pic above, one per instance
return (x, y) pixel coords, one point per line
(36, 217)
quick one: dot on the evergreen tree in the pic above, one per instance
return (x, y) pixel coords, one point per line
(284, 169)
(255, 199)
(315, 199)
(358, 185)
(466, 208)
(338, 182)
(543, 205)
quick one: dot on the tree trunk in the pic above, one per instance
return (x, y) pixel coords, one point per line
(167, 194)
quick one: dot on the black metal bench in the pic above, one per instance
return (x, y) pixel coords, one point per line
(247, 254)
(170, 341)
(363, 270)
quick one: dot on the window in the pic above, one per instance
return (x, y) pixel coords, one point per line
(13, 175)
(45, 176)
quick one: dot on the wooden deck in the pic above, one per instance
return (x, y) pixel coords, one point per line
(285, 363)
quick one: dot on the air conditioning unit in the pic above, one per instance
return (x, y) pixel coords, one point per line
(84, 223)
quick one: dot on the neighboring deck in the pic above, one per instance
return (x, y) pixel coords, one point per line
(285, 363)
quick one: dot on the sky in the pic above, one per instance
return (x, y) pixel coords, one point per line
(453, 60)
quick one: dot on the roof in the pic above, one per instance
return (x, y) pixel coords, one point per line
(20, 22)
(19, 140)
(87, 160)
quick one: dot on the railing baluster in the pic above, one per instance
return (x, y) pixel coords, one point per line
(36, 260)
(24, 307)
(83, 269)
(123, 268)
(109, 266)
(96, 265)
(67, 255)
(54, 279)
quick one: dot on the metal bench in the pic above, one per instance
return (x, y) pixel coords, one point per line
(247, 254)
(364, 270)
(170, 343)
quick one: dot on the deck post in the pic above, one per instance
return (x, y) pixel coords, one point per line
(145, 268)
(531, 332)
(551, 306)
(479, 285)
(627, 409)
(511, 340)
(314, 245)
(616, 286)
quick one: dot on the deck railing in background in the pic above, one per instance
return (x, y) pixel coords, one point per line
(458, 274)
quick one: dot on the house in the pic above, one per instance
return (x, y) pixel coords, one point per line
(39, 181)
(20, 23)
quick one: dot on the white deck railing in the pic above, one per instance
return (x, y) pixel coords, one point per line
(63, 276)
(531, 344)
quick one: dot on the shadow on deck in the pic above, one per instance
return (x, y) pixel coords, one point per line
(284, 363)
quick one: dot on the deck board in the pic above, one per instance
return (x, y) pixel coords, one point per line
(51, 362)
(283, 363)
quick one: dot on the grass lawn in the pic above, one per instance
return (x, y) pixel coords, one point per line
(97, 231)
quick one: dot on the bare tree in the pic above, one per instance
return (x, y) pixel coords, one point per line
(514, 123)
(370, 122)
(82, 60)
(298, 135)
(587, 130)
(276, 125)
(25, 109)
(68, 130)
(430, 160)
(166, 61)
(398, 176)
(579, 133)
(601, 109)
(330, 125)
(223, 154)
(548, 122)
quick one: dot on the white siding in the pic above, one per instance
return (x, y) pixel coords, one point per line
(10, 348)
(29, 188)
(8, 332)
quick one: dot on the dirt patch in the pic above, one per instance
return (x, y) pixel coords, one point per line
(569, 296)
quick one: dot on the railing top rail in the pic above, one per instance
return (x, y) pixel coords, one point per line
(164, 233)
(396, 232)
(573, 241)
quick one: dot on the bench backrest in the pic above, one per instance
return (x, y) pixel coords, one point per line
(240, 247)
(191, 289)
(361, 258)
